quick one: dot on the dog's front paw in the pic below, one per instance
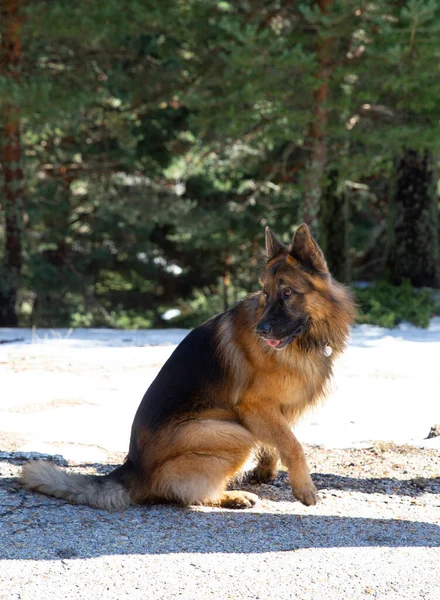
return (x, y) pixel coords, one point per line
(305, 492)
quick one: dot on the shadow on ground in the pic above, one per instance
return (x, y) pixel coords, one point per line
(39, 531)
(35, 527)
(378, 485)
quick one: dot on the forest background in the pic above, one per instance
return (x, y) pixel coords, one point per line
(146, 144)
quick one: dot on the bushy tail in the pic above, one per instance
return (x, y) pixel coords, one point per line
(95, 490)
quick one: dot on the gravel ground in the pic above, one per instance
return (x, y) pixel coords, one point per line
(375, 533)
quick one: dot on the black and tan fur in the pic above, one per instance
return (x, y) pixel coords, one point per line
(234, 385)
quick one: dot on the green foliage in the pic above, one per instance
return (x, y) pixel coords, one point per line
(197, 310)
(159, 138)
(386, 305)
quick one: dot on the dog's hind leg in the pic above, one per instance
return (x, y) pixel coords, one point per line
(266, 468)
(199, 459)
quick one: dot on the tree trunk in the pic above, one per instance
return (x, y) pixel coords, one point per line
(12, 200)
(317, 140)
(333, 224)
(413, 251)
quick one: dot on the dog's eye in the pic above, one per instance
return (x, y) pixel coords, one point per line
(287, 292)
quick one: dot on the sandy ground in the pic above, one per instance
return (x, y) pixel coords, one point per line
(375, 532)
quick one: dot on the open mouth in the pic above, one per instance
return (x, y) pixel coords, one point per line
(273, 343)
(280, 344)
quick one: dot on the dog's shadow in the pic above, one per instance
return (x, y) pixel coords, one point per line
(331, 482)
(61, 530)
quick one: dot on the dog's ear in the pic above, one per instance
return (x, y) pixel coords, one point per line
(273, 246)
(306, 250)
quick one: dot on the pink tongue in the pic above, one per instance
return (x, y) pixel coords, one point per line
(273, 343)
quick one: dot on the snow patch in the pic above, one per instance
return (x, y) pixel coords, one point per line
(82, 387)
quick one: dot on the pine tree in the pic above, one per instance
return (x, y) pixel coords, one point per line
(160, 138)
(403, 112)
(333, 227)
(318, 129)
(94, 130)
(414, 237)
(10, 160)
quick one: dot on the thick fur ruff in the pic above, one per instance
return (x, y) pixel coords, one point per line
(234, 385)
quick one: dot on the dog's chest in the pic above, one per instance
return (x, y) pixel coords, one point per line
(295, 384)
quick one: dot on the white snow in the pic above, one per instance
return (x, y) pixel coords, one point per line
(75, 392)
(386, 387)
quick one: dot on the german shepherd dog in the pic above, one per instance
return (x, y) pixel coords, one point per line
(234, 385)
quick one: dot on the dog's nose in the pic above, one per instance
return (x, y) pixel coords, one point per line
(264, 329)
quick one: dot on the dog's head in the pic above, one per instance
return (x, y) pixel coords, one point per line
(294, 284)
